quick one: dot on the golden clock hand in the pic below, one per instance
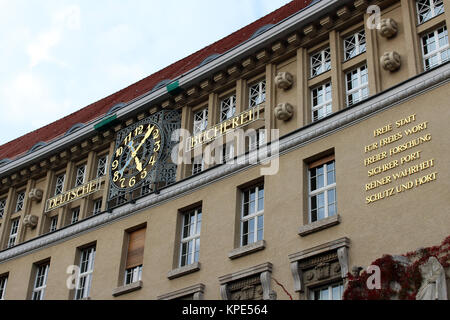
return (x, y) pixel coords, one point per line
(147, 134)
(136, 159)
(138, 164)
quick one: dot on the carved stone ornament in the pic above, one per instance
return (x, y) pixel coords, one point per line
(434, 286)
(284, 111)
(35, 195)
(284, 80)
(388, 28)
(390, 61)
(30, 221)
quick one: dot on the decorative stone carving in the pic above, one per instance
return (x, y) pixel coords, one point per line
(388, 28)
(284, 80)
(434, 285)
(284, 111)
(35, 195)
(322, 271)
(30, 221)
(390, 61)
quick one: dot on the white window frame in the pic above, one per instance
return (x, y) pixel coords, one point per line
(257, 94)
(2, 207)
(200, 121)
(53, 224)
(97, 207)
(198, 165)
(360, 87)
(257, 140)
(330, 290)
(102, 166)
(326, 106)
(59, 185)
(253, 217)
(80, 176)
(325, 189)
(227, 107)
(136, 275)
(14, 231)
(227, 152)
(87, 256)
(356, 47)
(320, 62)
(432, 6)
(193, 237)
(20, 201)
(39, 287)
(3, 284)
(75, 212)
(439, 49)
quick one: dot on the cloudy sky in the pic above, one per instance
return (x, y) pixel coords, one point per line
(57, 56)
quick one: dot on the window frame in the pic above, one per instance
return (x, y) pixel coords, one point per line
(252, 218)
(329, 286)
(433, 12)
(260, 96)
(53, 227)
(136, 275)
(361, 86)
(196, 163)
(102, 164)
(231, 105)
(39, 291)
(194, 256)
(327, 104)
(2, 207)
(3, 284)
(356, 45)
(59, 184)
(72, 211)
(95, 208)
(86, 275)
(325, 62)
(80, 179)
(20, 201)
(202, 124)
(438, 51)
(15, 223)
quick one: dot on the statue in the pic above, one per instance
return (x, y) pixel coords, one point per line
(433, 285)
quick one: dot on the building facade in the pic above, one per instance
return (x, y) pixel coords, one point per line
(264, 166)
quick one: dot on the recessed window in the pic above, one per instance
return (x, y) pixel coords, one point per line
(190, 237)
(357, 82)
(20, 201)
(252, 215)
(13, 233)
(227, 152)
(97, 207)
(227, 108)
(321, 101)
(133, 275)
(257, 139)
(322, 189)
(198, 165)
(53, 224)
(102, 166)
(59, 185)
(200, 121)
(75, 215)
(81, 172)
(3, 282)
(2, 207)
(135, 256)
(257, 93)
(40, 282)
(435, 48)
(427, 9)
(355, 44)
(320, 62)
(329, 292)
(84, 281)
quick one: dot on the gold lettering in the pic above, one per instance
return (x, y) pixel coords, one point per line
(383, 130)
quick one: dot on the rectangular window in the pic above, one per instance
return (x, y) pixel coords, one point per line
(355, 44)
(59, 185)
(330, 292)
(97, 207)
(84, 280)
(198, 165)
(257, 94)
(227, 152)
(257, 139)
(13, 233)
(435, 48)
(40, 283)
(2, 207)
(3, 282)
(321, 101)
(252, 215)
(79, 179)
(427, 9)
(102, 166)
(20, 201)
(227, 108)
(53, 224)
(75, 215)
(357, 82)
(190, 237)
(200, 121)
(135, 256)
(322, 189)
(320, 62)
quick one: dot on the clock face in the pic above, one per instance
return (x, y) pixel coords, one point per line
(136, 155)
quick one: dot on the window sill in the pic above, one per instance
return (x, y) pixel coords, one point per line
(176, 273)
(127, 289)
(248, 249)
(319, 225)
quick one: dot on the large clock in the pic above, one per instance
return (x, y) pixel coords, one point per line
(136, 154)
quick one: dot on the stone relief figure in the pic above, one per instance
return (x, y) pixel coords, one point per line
(434, 286)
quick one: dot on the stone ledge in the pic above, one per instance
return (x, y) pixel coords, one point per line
(195, 290)
(248, 249)
(176, 273)
(319, 225)
(127, 289)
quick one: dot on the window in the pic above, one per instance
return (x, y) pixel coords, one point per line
(331, 292)
(257, 94)
(40, 282)
(227, 108)
(145, 188)
(84, 280)
(227, 152)
(252, 216)
(435, 48)
(75, 215)
(13, 233)
(135, 256)
(322, 189)
(427, 9)
(3, 282)
(320, 62)
(257, 140)
(121, 198)
(20, 201)
(355, 44)
(53, 223)
(190, 237)
(59, 186)
(2, 207)
(357, 82)
(79, 179)
(200, 121)
(321, 101)
(97, 206)
(198, 165)
(102, 165)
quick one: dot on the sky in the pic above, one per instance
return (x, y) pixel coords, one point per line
(58, 56)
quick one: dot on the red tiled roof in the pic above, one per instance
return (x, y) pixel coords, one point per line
(53, 130)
